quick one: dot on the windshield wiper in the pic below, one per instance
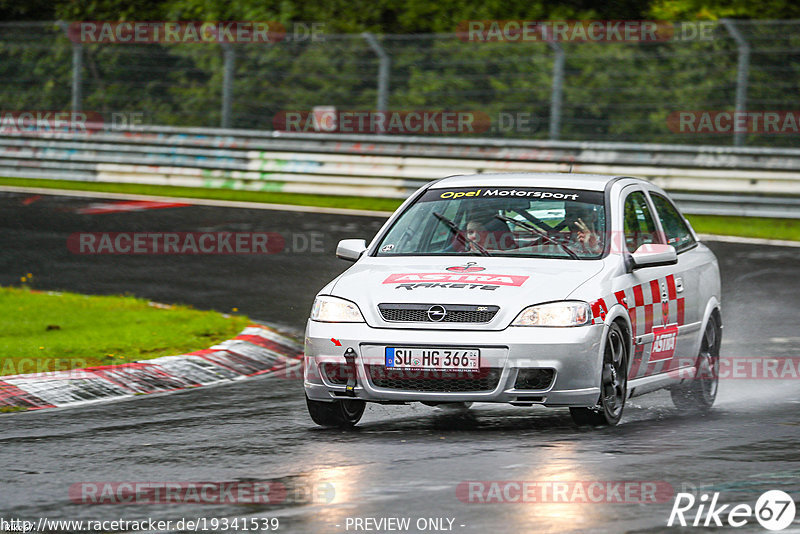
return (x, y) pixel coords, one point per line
(453, 227)
(541, 234)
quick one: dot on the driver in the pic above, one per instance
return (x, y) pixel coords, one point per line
(488, 232)
(477, 233)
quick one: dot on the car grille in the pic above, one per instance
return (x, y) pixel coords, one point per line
(456, 313)
(435, 381)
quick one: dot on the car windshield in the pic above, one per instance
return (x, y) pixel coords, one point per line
(500, 221)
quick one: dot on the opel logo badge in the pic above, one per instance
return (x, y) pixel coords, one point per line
(437, 313)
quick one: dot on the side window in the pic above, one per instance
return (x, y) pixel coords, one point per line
(675, 228)
(639, 226)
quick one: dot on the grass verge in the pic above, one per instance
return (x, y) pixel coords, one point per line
(48, 331)
(762, 227)
(766, 228)
(324, 201)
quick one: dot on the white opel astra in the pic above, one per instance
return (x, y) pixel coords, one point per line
(562, 290)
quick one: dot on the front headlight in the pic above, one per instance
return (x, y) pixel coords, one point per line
(567, 313)
(329, 309)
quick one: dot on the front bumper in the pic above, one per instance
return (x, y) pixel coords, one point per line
(575, 354)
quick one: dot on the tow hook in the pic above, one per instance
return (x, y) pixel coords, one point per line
(352, 382)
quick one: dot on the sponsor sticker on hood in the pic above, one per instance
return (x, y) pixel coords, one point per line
(464, 278)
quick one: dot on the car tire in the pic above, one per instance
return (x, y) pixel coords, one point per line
(339, 413)
(701, 392)
(613, 383)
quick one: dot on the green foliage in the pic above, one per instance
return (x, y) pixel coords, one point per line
(395, 16)
(51, 331)
(717, 9)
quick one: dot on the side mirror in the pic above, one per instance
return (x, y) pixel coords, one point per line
(654, 255)
(350, 249)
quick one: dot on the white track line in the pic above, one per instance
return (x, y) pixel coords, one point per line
(749, 240)
(195, 201)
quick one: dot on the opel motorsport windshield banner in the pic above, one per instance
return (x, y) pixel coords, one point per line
(529, 193)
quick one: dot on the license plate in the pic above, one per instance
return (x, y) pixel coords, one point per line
(432, 358)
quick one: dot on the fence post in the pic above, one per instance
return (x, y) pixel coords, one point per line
(229, 60)
(383, 71)
(742, 75)
(557, 91)
(77, 69)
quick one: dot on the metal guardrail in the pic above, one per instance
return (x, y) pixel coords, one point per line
(739, 205)
(394, 166)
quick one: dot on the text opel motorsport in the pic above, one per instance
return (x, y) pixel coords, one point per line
(553, 289)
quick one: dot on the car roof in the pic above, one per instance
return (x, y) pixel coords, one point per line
(557, 180)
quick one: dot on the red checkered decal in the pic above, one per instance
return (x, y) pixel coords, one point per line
(653, 307)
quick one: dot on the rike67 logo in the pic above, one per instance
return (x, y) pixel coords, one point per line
(774, 510)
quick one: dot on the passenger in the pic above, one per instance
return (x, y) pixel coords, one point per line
(582, 224)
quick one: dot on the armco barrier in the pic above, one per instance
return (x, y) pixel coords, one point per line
(381, 166)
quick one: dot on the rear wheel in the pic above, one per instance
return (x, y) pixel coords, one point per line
(701, 392)
(339, 413)
(613, 383)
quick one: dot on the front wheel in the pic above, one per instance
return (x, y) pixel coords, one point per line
(613, 383)
(701, 392)
(339, 413)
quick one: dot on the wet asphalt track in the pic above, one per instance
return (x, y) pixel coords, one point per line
(400, 461)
